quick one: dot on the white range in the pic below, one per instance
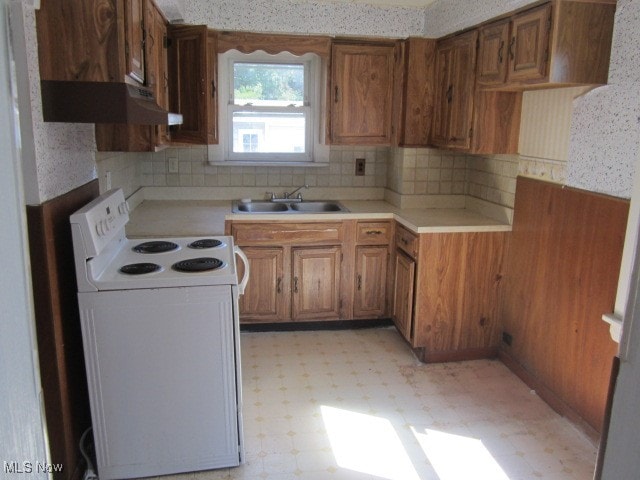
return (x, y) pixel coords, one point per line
(161, 344)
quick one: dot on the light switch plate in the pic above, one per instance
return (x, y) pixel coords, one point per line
(173, 165)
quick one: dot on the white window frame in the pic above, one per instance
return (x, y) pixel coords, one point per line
(315, 153)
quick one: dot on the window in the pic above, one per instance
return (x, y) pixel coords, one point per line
(269, 108)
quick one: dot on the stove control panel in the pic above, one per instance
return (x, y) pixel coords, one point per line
(101, 220)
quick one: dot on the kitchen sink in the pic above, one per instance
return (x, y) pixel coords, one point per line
(317, 207)
(260, 207)
(288, 207)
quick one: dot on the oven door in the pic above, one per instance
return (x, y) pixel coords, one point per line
(163, 382)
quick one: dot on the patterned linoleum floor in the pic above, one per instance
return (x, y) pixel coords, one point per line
(356, 404)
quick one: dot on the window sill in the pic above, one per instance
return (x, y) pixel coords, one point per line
(268, 164)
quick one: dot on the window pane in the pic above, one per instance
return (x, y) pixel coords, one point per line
(268, 84)
(268, 132)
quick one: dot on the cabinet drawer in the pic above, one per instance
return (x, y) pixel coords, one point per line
(407, 241)
(373, 233)
(287, 233)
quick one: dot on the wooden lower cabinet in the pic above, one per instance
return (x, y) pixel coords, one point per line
(446, 299)
(370, 299)
(403, 294)
(316, 283)
(264, 299)
(291, 284)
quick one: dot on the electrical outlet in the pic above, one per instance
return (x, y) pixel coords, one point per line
(173, 165)
(360, 166)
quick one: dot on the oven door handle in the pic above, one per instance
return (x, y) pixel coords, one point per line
(245, 278)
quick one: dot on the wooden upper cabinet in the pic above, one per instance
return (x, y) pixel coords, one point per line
(81, 40)
(529, 44)
(455, 80)
(414, 90)
(192, 83)
(361, 95)
(493, 55)
(560, 43)
(135, 39)
(157, 68)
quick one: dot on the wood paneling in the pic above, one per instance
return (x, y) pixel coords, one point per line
(561, 276)
(64, 385)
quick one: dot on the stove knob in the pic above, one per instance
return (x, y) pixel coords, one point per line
(99, 229)
(122, 208)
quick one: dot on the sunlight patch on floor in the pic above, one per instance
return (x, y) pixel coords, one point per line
(367, 444)
(455, 457)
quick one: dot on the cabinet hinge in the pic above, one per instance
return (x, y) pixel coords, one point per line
(341, 256)
(165, 42)
(477, 43)
(471, 132)
(546, 55)
(549, 23)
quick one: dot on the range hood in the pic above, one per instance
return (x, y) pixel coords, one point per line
(102, 102)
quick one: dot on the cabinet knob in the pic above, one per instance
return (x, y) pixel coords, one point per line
(359, 282)
(511, 44)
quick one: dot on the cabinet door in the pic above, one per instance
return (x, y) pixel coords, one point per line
(266, 298)
(455, 83)
(135, 38)
(316, 283)
(442, 100)
(190, 83)
(403, 295)
(493, 43)
(361, 90)
(529, 44)
(463, 84)
(371, 281)
(157, 74)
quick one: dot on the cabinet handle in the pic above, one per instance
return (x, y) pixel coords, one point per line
(511, 54)
(500, 51)
(295, 284)
(336, 94)
(450, 93)
(404, 241)
(359, 282)
(279, 285)
(213, 89)
(374, 232)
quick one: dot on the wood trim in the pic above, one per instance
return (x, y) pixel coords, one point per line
(248, 42)
(60, 352)
(604, 437)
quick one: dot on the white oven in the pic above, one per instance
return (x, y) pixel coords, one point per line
(161, 344)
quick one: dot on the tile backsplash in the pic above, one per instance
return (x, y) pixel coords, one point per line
(419, 175)
(193, 170)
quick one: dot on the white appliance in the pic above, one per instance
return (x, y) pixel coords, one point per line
(161, 344)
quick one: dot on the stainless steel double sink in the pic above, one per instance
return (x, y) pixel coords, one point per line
(288, 207)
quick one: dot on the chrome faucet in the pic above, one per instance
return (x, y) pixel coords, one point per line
(299, 197)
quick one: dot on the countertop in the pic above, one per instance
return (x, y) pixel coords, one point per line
(161, 218)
